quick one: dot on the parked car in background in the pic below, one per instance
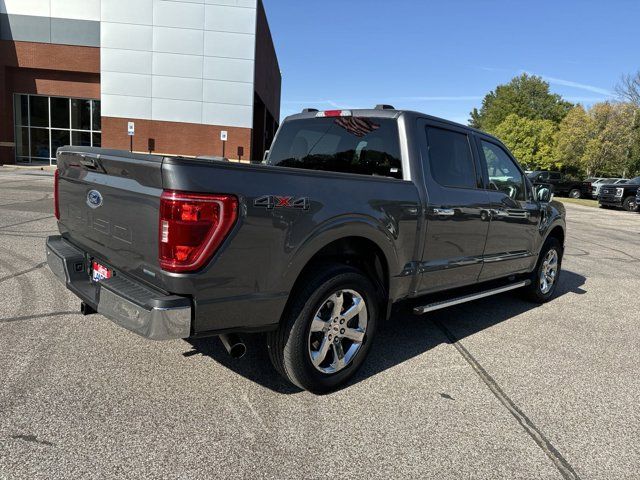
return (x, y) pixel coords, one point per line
(622, 195)
(351, 212)
(562, 185)
(596, 185)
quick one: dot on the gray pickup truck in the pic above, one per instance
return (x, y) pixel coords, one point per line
(350, 213)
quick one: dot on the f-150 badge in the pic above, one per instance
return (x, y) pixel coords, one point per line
(277, 201)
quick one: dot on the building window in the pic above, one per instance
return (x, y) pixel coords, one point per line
(43, 124)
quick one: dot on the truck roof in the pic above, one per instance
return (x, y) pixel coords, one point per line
(388, 113)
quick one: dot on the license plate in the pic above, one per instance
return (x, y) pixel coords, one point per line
(99, 272)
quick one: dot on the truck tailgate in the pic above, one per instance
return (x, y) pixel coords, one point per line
(109, 206)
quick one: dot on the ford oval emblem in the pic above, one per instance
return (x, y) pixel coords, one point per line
(94, 199)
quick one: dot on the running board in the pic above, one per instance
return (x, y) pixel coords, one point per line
(469, 298)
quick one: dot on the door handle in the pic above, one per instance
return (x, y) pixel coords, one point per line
(500, 213)
(444, 212)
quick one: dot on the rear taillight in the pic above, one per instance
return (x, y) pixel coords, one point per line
(56, 201)
(192, 227)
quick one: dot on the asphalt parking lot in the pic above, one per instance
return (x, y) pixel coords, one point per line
(493, 389)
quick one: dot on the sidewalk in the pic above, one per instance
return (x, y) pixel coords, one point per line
(45, 170)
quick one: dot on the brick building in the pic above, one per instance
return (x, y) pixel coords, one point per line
(75, 72)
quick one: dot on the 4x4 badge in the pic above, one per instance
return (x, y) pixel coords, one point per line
(281, 201)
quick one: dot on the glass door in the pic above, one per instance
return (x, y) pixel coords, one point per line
(44, 124)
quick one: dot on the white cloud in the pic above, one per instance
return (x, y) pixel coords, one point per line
(493, 69)
(452, 98)
(572, 84)
(585, 99)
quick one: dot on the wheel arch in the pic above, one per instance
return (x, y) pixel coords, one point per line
(556, 231)
(362, 246)
(357, 251)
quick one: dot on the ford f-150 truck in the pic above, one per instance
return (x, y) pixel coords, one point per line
(350, 213)
(620, 195)
(561, 184)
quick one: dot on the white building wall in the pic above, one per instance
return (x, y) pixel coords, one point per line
(76, 9)
(178, 60)
(169, 60)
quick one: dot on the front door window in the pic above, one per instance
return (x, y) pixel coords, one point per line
(504, 176)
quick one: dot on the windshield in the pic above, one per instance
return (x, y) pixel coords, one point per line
(366, 146)
(634, 181)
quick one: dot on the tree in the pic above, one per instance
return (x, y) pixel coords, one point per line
(611, 147)
(532, 142)
(628, 89)
(603, 141)
(575, 131)
(526, 96)
(634, 147)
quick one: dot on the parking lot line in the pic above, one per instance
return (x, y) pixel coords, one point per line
(565, 469)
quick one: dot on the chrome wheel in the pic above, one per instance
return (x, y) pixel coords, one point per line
(549, 271)
(337, 331)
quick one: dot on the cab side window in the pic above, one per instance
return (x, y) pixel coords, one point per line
(450, 158)
(504, 175)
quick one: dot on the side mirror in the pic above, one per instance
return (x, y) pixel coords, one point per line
(544, 194)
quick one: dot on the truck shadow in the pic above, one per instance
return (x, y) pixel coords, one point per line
(403, 337)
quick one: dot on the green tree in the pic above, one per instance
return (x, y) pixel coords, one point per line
(532, 142)
(526, 96)
(602, 141)
(634, 148)
(575, 131)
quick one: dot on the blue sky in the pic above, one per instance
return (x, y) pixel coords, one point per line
(442, 57)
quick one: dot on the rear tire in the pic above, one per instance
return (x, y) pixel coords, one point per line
(575, 193)
(327, 329)
(629, 204)
(544, 279)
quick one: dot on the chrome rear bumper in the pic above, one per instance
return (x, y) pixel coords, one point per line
(127, 303)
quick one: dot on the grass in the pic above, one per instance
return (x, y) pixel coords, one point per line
(578, 201)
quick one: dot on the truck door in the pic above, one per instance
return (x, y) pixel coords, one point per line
(515, 214)
(457, 210)
(559, 185)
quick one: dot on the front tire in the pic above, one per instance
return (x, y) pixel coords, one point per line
(544, 279)
(629, 204)
(575, 193)
(327, 329)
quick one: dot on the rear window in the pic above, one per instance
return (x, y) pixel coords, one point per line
(450, 158)
(366, 146)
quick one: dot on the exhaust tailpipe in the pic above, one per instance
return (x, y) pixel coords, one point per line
(234, 345)
(86, 309)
